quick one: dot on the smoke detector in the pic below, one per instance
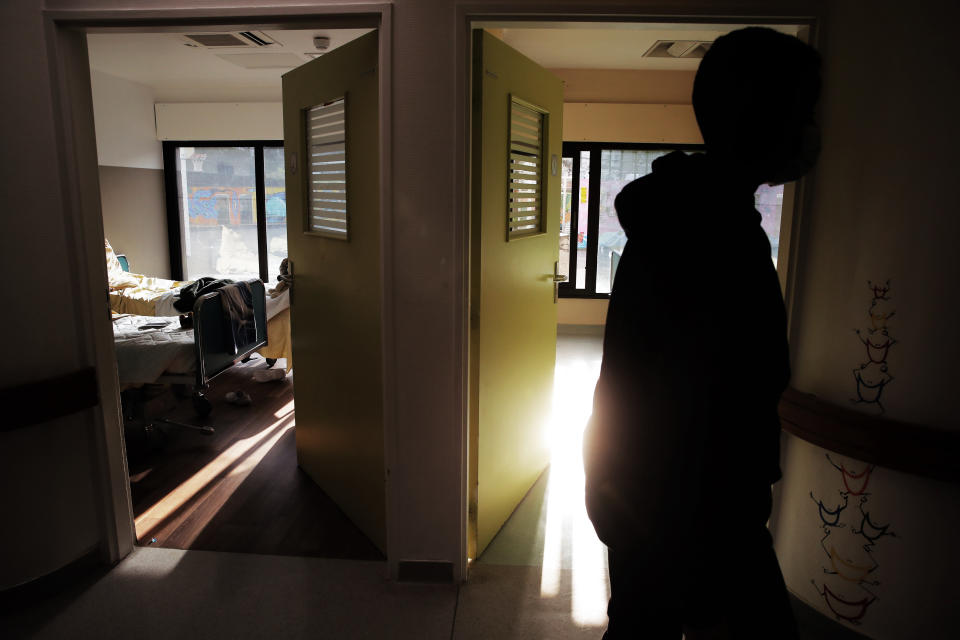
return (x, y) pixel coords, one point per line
(321, 43)
(678, 49)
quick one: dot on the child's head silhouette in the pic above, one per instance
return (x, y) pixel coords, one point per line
(754, 97)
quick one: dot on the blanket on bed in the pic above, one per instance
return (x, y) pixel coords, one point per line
(146, 296)
(136, 293)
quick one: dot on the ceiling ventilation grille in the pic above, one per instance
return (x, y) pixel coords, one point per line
(678, 49)
(257, 39)
(236, 39)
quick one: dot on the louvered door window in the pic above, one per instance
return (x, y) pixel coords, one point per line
(525, 174)
(326, 140)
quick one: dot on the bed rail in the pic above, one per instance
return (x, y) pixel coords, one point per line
(212, 340)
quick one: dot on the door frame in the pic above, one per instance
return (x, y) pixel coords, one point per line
(473, 14)
(65, 32)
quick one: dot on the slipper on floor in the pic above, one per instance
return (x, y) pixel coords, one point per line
(239, 398)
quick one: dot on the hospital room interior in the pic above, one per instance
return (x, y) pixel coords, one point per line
(190, 145)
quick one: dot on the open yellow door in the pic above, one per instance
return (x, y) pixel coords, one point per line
(515, 224)
(331, 140)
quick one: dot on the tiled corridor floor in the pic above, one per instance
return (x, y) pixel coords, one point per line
(548, 545)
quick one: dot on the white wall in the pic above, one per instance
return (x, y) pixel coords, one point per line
(131, 173)
(133, 203)
(883, 208)
(126, 132)
(620, 122)
(220, 121)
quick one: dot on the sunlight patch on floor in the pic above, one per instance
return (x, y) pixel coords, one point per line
(234, 464)
(285, 410)
(570, 541)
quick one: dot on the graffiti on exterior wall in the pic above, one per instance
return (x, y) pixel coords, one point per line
(217, 205)
(873, 374)
(221, 205)
(850, 572)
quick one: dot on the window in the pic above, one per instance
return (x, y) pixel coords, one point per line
(226, 209)
(591, 239)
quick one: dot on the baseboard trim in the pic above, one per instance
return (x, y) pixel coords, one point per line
(580, 329)
(423, 571)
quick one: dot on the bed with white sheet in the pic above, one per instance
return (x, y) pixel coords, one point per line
(149, 354)
(142, 295)
(226, 326)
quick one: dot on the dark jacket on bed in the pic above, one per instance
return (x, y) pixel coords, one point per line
(694, 360)
(188, 294)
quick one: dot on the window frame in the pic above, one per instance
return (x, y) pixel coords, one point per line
(572, 149)
(175, 229)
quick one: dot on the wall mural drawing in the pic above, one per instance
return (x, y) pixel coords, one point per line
(873, 375)
(855, 483)
(868, 530)
(831, 517)
(850, 571)
(850, 577)
(852, 611)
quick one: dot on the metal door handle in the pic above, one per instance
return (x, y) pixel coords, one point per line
(557, 279)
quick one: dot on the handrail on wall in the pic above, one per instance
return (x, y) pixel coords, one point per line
(46, 400)
(912, 448)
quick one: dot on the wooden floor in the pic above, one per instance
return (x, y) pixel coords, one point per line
(240, 489)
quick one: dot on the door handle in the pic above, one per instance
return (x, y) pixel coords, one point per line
(557, 279)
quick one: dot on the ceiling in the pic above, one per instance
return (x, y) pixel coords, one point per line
(180, 71)
(610, 45)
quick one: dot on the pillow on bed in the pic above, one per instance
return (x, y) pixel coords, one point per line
(116, 276)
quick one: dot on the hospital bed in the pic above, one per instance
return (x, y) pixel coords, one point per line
(157, 343)
(142, 295)
(157, 349)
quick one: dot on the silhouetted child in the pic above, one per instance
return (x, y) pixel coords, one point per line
(683, 444)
